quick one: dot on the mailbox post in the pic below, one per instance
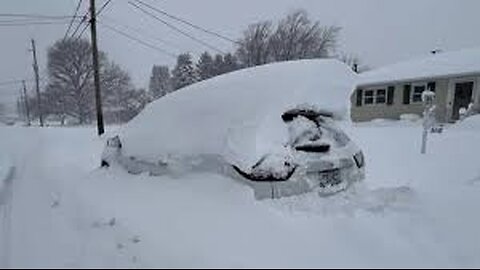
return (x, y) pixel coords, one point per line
(428, 98)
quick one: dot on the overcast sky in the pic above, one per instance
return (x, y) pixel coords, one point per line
(378, 31)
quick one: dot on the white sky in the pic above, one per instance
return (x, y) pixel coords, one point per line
(378, 31)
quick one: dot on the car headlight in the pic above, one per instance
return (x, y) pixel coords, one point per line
(359, 159)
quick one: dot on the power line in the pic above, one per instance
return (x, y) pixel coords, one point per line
(31, 23)
(176, 28)
(188, 23)
(84, 18)
(138, 31)
(103, 7)
(71, 21)
(83, 31)
(33, 16)
(28, 20)
(137, 40)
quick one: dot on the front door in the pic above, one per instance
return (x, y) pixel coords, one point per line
(463, 97)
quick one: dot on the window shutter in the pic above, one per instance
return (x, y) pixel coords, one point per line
(407, 88)
(359, 97)
(431, 86)
(390, 95)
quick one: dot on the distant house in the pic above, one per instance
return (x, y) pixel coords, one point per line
(391, 91)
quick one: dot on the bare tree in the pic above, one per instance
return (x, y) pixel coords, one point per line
(254, 48)
(131, 102)
(69, 92)
(70, 72)
(297, 37)
(115, 84)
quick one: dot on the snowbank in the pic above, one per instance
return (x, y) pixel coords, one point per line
(415, 211)
(6, 168)
(237, 111)
(469, 123)
(460, 62)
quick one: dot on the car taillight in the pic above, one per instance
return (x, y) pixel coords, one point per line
(359, 159)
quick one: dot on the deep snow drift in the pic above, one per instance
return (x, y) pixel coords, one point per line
(413, 211)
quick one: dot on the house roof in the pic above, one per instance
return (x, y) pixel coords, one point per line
(444, 64)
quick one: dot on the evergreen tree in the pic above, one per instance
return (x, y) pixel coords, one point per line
(230, 63)
(160, 81)
(205, 66)
(184, 72)
(218, 65)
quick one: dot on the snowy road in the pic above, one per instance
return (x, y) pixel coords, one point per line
(65, 212)
(6, 192)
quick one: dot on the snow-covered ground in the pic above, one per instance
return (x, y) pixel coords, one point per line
(412, 210)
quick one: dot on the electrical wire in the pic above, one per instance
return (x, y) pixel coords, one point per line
(176, 28)
(73, 18)
(188, 23)
(146, 44)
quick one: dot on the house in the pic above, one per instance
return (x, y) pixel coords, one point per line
(393, 90)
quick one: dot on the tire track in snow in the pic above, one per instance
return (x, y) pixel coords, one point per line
(6, 193)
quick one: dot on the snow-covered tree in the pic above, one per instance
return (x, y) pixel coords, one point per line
(205, 66)
(230, 63)
(2, 109)
(218, 65)
(184, 73)
(160, 81)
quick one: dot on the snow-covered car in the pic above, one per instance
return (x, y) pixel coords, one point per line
(272, 127)
(318, 156)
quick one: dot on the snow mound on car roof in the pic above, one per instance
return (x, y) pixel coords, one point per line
(240, 110)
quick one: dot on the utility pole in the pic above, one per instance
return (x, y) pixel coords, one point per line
(27, 109)
(37, 86)
(96, 74)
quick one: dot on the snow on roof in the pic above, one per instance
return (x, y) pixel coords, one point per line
(200, 117)
(463, 62)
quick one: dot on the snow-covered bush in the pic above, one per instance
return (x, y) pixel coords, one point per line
(467, 112)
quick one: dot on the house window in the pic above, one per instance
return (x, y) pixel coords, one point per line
(368, 97)
(380, 97)
(417, 92)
